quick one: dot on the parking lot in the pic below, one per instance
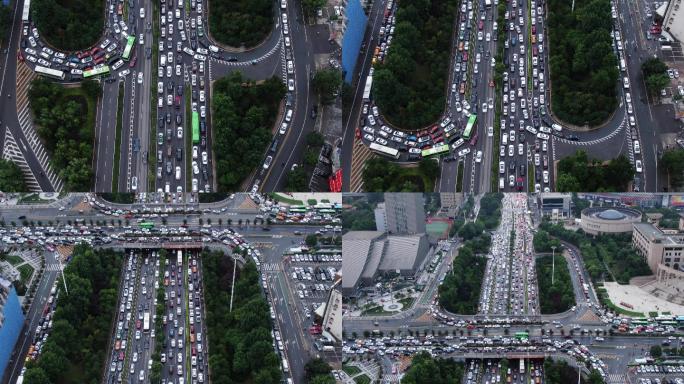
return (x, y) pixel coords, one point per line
(491, 371)
(510, 284)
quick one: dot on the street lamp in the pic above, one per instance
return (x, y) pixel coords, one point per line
(553, 263)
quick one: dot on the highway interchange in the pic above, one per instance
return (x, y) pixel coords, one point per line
(530, 139)
(502, 313)
(292, 298)
(172, 46)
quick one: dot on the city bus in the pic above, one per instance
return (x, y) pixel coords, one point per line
(50, 72)
(436, 150)
(195, 128)
(522, 335)
(180, 258)
(146, 225)
(103, 70)
(130, 43)
(469, 127)
(384, 150)
(146, 322)
(522, 366)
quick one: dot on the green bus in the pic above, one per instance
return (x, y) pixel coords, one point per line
(436, 150)
(103, 70)
(195, 128)
(522, 335)
(469, 127)
(130, 43)
(146, 225)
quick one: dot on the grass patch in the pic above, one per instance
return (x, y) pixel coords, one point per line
(459, 177)
(377, 311)
(363, 379)
(188, 135)
(351, 370)
(26, 272)
(407, 302)
(117, 140)
(530, 178)
(14, 259)
(32, 198)
(280, 198)
(620, 310)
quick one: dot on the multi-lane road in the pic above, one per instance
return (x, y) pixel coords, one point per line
(520, 151)
(172, 46)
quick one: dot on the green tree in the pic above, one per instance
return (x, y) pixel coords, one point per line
(11, 177)
(311, 240)
(5, 21)
(567, 183)
(311, 6)
(326, 83)
(69, 26)
(316, 367)
(672, 162)
(656, 351)
(314, 139)
(241, 22)
(296, 180)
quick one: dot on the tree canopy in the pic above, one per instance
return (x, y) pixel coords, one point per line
(655, 75)
(672, 163)
(69, 25)
(559, 296)
(327, 84)
(11, 177)
(5, 21)
(73, 352)
(243, 117)
(579, 172)
(410, 85)
(380, 175)
(241, 22)
(583, 66)
(62, 121)
(425, 369)
(240, 341)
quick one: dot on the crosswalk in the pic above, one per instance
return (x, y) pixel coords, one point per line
(616, 378)
(11, 152)
(53, 268)
(270, 267)
(268, 54)
(283, 62)
(595, 141)
(24, 78)
(360, 154)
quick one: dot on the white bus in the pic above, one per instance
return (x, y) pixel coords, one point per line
(50, 72)
(180, 258)
(384, 150)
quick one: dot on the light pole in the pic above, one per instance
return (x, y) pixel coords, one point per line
(553, 263)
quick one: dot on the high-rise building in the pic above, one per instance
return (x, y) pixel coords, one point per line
(673, 21)
(380, 217)
(405, 213)
(11, 322)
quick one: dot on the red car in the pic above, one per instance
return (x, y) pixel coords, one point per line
(94, 50)
(133, 61)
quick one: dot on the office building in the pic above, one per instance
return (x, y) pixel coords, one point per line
(658, 248)
(11, 322)
(405, 213)
(609, 220)
(673, 20)
(555, 205)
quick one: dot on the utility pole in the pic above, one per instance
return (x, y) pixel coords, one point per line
(553, 264)
(61, 269)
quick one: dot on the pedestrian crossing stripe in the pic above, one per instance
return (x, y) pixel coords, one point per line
(53, 268)
(270, 267)
(616, 378)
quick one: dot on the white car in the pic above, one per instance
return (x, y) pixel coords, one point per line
(283, 128)
(478, 157)
(637, 147)
(490, 131)
(140, 77)
(142, 13)
(141, 39)
(268, 161)
(545, 176)
(205, 158)
(290, 85)
(179, 132)
(194, 152)
(195, 168)
(638, 166)
(203, 111)
(201, 96)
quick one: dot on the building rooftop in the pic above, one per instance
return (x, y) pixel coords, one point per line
(356, 247)
(649, 230)
(401, 252)
(611, 214)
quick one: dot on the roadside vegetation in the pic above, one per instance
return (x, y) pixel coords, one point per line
(606, 257)
(670, 219)
(240, 23)
(243, 115)
(380, 175)
(559, 372)
(76, 349)
(297, 179)
(5, 21)
(580, 173)
(558, 297)
(583, 66)
(11, 177)
(69, 25)
(65, 120)
(239, 341)
(655, 75)
(543, 242)
(428, 370)
(318, 371)
(672, 163)
(460, 291)
(410, 86)
(360, 216)
(327, 83)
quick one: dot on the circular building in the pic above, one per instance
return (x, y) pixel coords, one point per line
(607, 220)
